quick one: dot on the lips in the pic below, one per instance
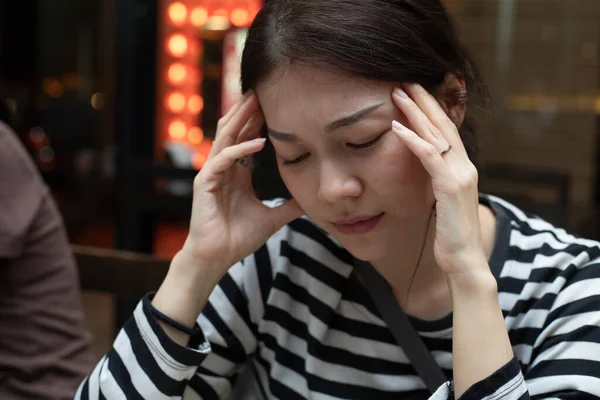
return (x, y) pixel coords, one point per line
(357, 225)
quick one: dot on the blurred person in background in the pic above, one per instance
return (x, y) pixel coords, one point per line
(44, 346)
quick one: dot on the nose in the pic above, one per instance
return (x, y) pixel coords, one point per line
(338, 183)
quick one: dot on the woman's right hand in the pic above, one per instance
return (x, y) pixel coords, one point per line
(228, 221)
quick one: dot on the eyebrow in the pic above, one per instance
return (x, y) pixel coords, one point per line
(340, 123)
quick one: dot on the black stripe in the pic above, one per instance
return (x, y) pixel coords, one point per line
(264, 271)
(313, 267)
(277, 389)
(310, 230)
(525, 305)
(526, 336)
(508, 284)
(494, 382)
(585, 333)
(84, 395)
(238, 300)
(100, 394)
(263, 392)
(121, 375)
(317, 308)
(584, 305)
(563, 395)
(589, 271)
(319, 384)
(328, 354)
(204, 390)
(528, 256)
(286, 322)
(569, 367)
(234, 351)
(182, 355)
(148, 364)
(350, 391)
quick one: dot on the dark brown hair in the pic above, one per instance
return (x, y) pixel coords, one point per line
(381, 40)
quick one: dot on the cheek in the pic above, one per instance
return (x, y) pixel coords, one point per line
(396, 165)
(301, 186)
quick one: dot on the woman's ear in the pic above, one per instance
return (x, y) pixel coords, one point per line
(452, 96)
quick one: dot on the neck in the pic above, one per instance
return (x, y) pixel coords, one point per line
(412, 272)
(413, 259)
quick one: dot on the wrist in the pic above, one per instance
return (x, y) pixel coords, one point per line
(475, 280)
(187, 266)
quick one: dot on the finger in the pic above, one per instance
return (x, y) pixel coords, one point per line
(419, 121)
(251, 129)
(227, 134)
(226, 158)
(284, 214)
(427, 153)
(432, 109)
(227, 117)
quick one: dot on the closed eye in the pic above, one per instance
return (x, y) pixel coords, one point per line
(367, 144)
(296, 160)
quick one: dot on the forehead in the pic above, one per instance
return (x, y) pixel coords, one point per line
(305, 95)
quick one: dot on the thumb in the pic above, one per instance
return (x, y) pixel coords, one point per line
(284, 214)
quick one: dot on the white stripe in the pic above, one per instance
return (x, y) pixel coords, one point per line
(443, 334)
(512, 389)
(556, 239)
(93, 380)
(534, 318)
(320, 253)
(280, 373)
(256, 306)
(139, 380)
(523, 352)
(516, 269)
(110, 387)
(358, 312)
(167, 364)
(218, 364)
(263, 378)
(79, 389)
(563, 325)
(577, 291)
(210, 331)
(225, 309)
(316, 288)
(547, 384)
(442, 393)
(570, 351)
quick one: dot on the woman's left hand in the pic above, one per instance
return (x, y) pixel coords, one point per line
(458, 245)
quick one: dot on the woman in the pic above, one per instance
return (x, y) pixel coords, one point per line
(364, 105)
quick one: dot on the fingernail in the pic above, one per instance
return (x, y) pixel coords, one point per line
(400, 93)
(259, 140)
(399, 128)
(397, 125)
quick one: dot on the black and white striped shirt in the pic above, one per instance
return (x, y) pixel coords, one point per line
(291, 322)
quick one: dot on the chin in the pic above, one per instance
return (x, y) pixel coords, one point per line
(365, 250)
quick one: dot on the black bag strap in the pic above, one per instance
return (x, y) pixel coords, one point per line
(400, 326)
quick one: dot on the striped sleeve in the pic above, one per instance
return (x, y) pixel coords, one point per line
(229, 322)
(566, 354)
(144, 362)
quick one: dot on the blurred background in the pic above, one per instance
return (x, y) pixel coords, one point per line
(117, 102)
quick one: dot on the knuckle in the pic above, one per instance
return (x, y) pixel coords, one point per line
(430, 150)
(220, 123)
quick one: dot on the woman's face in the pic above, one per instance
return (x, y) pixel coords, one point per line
(340, 160)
